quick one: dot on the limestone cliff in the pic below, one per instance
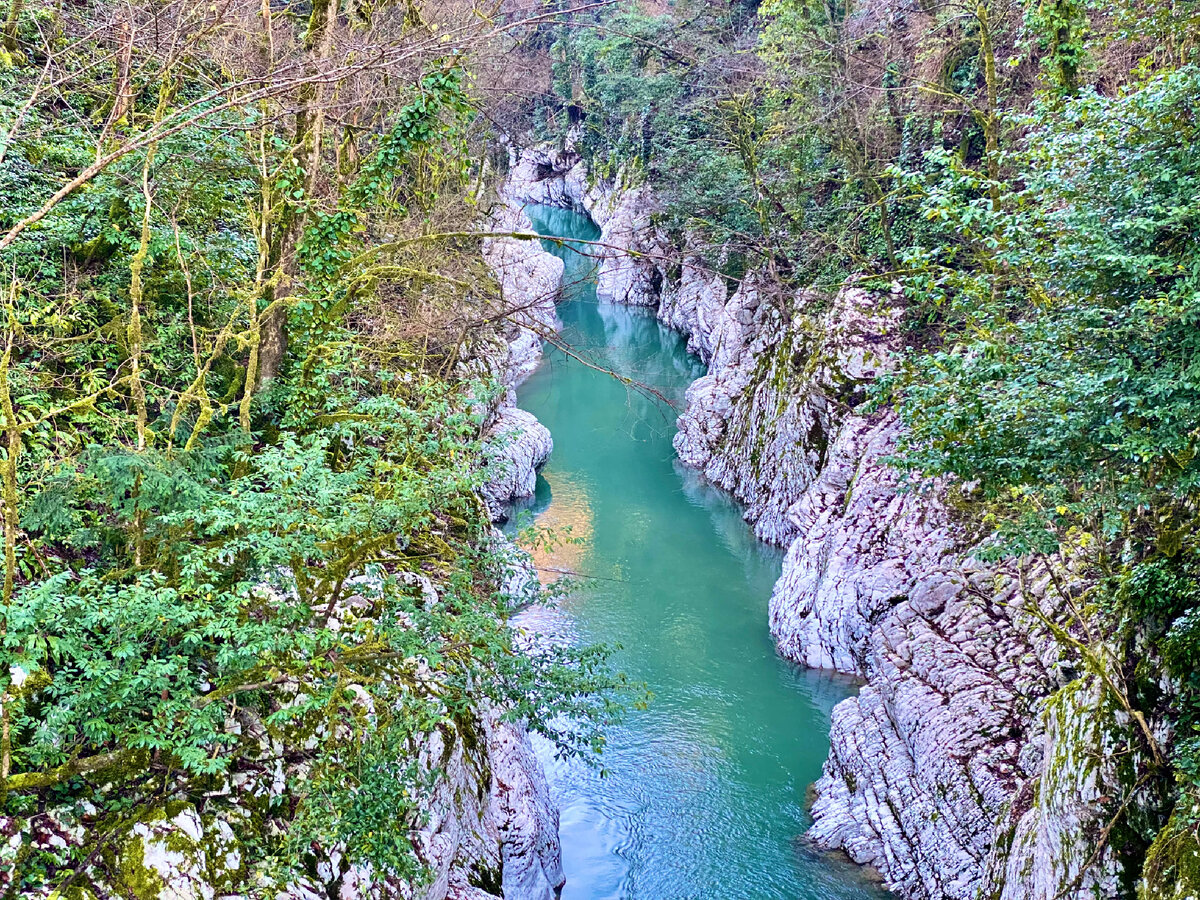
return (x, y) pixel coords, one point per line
(977, 760)
(529, 279)
(968, 765)
(630, 251)
(491, 832)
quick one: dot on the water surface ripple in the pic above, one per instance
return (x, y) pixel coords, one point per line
(705, 791)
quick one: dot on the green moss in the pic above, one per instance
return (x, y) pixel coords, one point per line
(1172, 867)
(1089, 722)
(135, 877)
(1006, 832)
(207, 858)
(1074, 749)
(488, 879)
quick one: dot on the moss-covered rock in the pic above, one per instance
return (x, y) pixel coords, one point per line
(1172, 867)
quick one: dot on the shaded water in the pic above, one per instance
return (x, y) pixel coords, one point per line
(705, 791)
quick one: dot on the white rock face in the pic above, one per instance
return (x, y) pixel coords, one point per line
(473, 818)
(516, 445)
(547, 176)
(179, 853)
(631, 252)
(969, 765)
(492, 832)
(1046, 835)
(928, 764)
(528, 821)
(934, 756)
(694, 305)
(494, 825)
(760, 423)
(530, 280)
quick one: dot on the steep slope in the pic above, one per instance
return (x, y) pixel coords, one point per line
(975, 761)
(491, 830)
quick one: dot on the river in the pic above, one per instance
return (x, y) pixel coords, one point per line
(704, 791)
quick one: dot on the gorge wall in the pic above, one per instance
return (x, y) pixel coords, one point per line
(976, 760)
(492, 830)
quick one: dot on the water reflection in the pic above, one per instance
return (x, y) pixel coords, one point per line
(705, 794)
(564, 514)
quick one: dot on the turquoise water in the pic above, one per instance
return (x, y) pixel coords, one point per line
(705, 791)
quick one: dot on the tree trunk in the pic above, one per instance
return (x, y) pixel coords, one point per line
(308, 136)
(989, 120)
(10, 25)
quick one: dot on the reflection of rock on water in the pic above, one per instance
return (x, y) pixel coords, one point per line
(570, 509)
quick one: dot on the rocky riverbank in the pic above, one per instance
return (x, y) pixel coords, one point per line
(529, 279)
(491, 831)
(975, 761)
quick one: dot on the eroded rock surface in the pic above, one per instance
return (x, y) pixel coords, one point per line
(974, 762)
(937, 774)
(530, 280)
(517, 444)
(492, 832)
(930, 763)
(630, 251)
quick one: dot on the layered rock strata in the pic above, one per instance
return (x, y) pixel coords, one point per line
(969, 764)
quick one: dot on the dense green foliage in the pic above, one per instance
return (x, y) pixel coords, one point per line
(671, 97)
(240, 452)
(1030, 175)
(1066, 387)
(1071, 368)
(760, 158)
(242, 530)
